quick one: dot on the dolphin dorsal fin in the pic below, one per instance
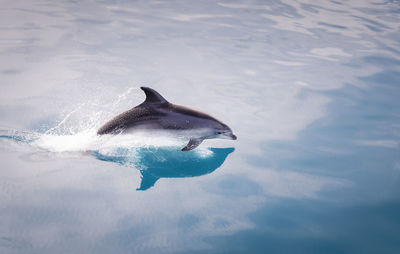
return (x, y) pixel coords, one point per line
(152, 96)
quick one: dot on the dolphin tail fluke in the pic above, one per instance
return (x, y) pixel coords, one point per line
(193, 143)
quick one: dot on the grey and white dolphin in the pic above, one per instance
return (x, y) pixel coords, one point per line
(156, 113)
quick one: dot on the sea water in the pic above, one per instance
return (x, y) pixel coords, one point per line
(311, 89)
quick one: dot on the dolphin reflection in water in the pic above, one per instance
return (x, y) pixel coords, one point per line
(155, 163)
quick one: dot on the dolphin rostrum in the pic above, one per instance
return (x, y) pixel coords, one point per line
(156, 113)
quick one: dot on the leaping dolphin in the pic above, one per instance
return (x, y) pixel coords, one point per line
(156, 113)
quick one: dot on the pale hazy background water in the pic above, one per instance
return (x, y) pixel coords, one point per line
(311, 89)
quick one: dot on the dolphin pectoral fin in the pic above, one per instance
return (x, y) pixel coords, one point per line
(193, 143)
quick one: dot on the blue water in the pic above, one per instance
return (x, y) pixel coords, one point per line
(311, 89)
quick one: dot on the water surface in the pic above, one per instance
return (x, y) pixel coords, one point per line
(310, 88)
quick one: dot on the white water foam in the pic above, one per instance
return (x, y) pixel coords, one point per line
(88, 140)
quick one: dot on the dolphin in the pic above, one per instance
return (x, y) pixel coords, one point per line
(156, 113)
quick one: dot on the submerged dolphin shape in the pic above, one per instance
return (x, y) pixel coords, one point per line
(169, 165)
(156, 163)
(156, 113)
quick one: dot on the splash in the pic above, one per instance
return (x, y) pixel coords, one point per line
(88, 140)
(76, 131)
